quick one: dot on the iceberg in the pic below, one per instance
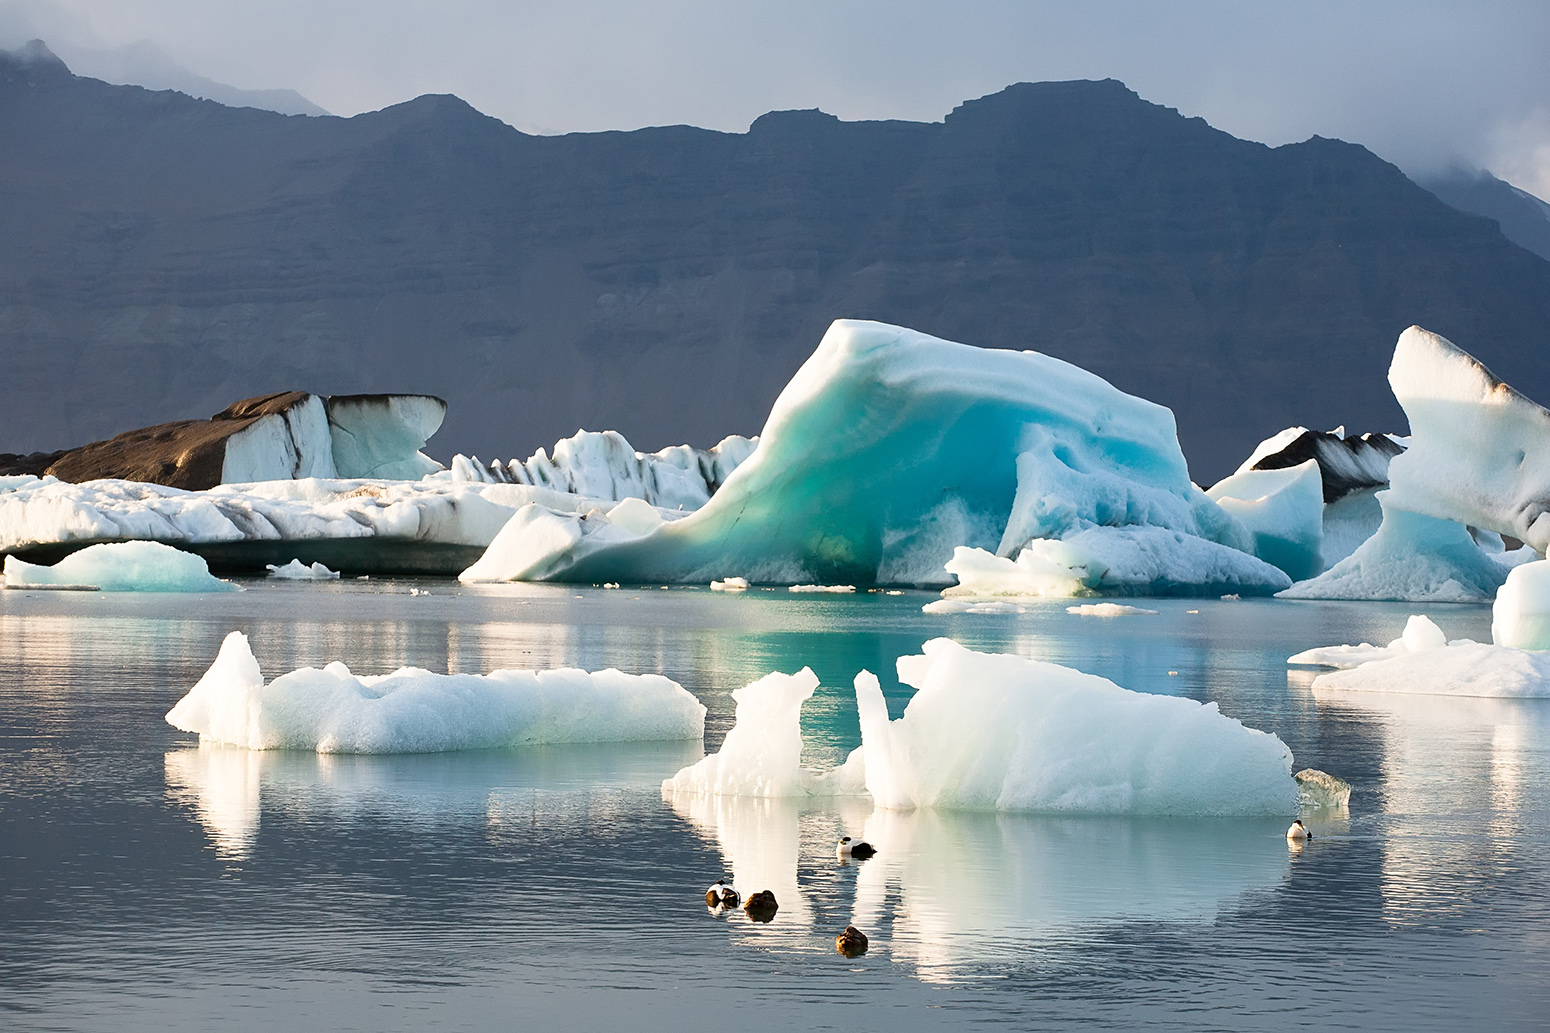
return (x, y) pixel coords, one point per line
(1115, 561)
(1422, 660)
(380, 435)
(603, 465)
(1347, 463)
(762, 754)
(1284, 510)
(296, 570)
(1479, 450)
(357, 526)
(121, 567)
(889, 448)
(1002, 733)
(1520, 617)
(1477, 466)
(996, 732)
(1411, 558)
(416, 711)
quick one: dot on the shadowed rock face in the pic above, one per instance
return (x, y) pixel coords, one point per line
(165, 254)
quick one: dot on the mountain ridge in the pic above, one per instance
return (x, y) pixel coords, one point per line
(170, 254)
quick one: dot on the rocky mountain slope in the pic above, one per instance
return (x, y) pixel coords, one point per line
(163, 255)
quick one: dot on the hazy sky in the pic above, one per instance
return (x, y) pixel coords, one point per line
(1424, 84)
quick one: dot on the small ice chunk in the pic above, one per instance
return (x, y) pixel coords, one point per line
(122, 567)
(1110, 610)
(822, 588)
(296, 570)
(731, 584)
(1422, 634)
(762, 754)
(1320, 790)
(970, 606)
(416, 711)
(1520, 616)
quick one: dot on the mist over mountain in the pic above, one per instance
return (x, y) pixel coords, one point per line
(1524, 218)
(165, 256)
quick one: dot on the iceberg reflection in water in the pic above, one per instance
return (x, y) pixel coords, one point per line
(949, 892)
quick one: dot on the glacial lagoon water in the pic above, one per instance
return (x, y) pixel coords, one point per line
(149, 883)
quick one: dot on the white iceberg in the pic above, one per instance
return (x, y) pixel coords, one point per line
(972, 606)
(416, 711)
(121, 567)
(1423, 661)
(296, 570)
(1520, 617)
(731, 584)
(603, 465)
(762, 754)
(1284, 511)
(380, 436)
(830, 589)
(889, 448)
(435, 526)
(1477, 466)
(1411, 558)
(995, 732)
(1421, 634)
(1479, 450)
(1114, 561)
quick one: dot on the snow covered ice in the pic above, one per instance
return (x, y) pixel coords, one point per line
(415, 711)
(296, 570)
(889, 448)
(121, 567)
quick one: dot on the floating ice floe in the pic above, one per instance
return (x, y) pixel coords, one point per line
(994, 732)
(296, 570)
(972, 606)
(416, 711)
(731, 584)
(1110, 610)
(1477, 462)
(835, 589)
(1423, 660)
(889, 448)
(121, 567)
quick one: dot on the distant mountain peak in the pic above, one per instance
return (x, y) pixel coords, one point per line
(32, 62)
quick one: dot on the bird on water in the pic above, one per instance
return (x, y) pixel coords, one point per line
(854, 848)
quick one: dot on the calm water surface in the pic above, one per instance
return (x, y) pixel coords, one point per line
(148, 883)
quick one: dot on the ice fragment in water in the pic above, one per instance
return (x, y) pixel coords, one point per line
(122, 567)
(296, 570)
(416, 711)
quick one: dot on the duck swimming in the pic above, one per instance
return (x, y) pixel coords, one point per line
(852, 942)
(761, 906)
(856, 848)
(721, 895)
(1297, 833)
